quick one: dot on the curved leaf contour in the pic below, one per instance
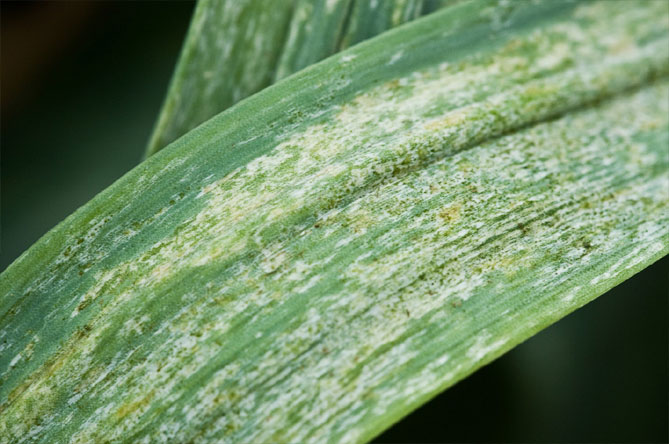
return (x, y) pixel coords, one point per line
(235, 48)
(327, 255)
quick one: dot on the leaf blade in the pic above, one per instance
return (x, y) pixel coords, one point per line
(243, 212)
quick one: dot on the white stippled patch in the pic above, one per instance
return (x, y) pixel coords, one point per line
(347, 272)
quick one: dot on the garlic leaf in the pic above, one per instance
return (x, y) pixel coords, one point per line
(325, 256)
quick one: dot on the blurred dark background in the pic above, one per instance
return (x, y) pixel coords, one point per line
(81, 86)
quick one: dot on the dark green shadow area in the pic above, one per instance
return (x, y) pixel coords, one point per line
(82, 84)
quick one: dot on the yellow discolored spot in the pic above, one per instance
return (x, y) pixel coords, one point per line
(450, 214)
(129, 408)
(448, 121)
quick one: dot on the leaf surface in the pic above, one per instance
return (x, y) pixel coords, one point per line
(322, 258)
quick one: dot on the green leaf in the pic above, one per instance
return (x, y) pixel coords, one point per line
(235, 48)
(231, 51)
(314, 34)
(330, 253)
(368, 19)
